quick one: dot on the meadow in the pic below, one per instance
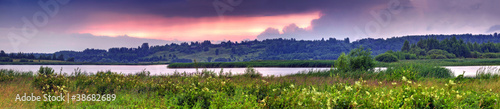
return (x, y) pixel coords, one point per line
(404, 86)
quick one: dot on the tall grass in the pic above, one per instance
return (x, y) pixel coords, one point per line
(9, 75)
(488, 73)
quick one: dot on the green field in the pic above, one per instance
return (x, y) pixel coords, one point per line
(401, 87)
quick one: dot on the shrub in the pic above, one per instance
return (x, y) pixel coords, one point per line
(51, 84)
(360, 59)
(490, 55)
(342, 63)
(386, 57)
(439, 54)
(415, 71)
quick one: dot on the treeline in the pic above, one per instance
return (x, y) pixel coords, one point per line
(269, 49)
(451, 48)
(29, 57)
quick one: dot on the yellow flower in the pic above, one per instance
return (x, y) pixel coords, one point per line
(348, 88)
(292, 86)
(394, 83)
(354, 103)
(451, 82)
(358, 84)
(404, 78)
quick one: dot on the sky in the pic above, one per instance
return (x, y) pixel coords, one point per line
(46, 26)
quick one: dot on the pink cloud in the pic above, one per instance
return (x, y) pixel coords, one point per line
(188, 29)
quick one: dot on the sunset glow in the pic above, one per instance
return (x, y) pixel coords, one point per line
(184, 29)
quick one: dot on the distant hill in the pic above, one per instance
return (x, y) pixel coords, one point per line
(270, 49)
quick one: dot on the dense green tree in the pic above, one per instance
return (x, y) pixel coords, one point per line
(2, 54)
(406, 46)
(60, 57)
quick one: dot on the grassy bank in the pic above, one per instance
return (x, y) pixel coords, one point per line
(446, 62)
(329, 63)
(209, 89)
(270, 63)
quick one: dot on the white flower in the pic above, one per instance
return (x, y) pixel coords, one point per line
(404, 78)
(292, 86)
(348, 88)
(394, 83)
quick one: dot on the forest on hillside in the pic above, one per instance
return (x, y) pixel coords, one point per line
(418, 46)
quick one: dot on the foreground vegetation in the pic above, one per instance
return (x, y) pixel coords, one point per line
(401, 87)
(353, 84)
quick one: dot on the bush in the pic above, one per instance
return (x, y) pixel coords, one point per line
(51, 84)
(386, 57)
(439, 54)
(360, 59)
(490, 55)
(342, 63)
(415, 71)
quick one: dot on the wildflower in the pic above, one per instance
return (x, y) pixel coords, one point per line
(292, 86)
(394, 83)
(358, 84)
(368, 93)
(206, 89)
(451, 82)
(348, 88)
(354, 103)
(409, 82)
(379, 82)
(300, 103)
(458, 96)
(404, 78)
(274, 90)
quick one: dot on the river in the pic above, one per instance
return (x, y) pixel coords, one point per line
(163, 70)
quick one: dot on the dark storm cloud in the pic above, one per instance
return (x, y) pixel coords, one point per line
(339, 18)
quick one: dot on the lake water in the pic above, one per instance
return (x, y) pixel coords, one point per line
(163, 70)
